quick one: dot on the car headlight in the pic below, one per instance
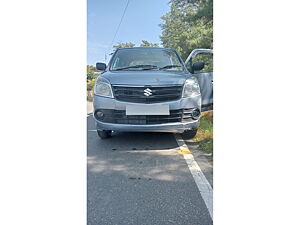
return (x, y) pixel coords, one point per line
(103, 88)
(191, 88)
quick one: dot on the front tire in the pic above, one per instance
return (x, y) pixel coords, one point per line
(189, 134)
(103, 134)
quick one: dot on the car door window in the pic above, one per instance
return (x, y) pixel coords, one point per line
(207, 58)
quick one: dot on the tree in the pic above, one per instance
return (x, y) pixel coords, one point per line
(91, 68)
(130, 45)
(91, 72)
(124, 45)
(148, 44)
(203, 9)
(185, 31)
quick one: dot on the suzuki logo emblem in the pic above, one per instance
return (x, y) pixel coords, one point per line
(148, 92)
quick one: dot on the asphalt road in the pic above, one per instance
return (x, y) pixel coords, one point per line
(140, 179)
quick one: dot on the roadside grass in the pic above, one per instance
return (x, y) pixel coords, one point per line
(204, 135)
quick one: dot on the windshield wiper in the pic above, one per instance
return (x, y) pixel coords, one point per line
(144, 67)
(169, 67)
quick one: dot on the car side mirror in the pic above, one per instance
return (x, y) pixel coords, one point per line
(197, 66)
(100, 66)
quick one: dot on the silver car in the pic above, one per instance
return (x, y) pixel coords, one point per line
(149, 89)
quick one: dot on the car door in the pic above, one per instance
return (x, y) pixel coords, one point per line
(204, 76)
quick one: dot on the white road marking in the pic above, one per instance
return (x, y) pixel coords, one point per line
(203, 185)
(153, 150)
(92, 130)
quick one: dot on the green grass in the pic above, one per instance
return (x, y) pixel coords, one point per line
(205, 133)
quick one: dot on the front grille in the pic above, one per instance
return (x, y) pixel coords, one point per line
(142, 95)
(120, 117)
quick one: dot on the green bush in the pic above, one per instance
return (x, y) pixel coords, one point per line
(90, 84)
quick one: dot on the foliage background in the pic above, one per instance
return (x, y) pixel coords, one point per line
(188, 25)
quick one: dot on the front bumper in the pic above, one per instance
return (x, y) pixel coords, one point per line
(168, 127)
(177, 127)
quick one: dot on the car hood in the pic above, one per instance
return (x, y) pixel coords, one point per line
(145, 77)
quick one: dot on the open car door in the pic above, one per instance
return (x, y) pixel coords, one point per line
(200, 63)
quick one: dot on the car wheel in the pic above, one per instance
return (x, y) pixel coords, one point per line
(189, 134)
(104, 133)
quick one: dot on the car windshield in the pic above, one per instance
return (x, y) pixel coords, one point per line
(146, 59)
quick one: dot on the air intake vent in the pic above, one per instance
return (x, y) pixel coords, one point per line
(147, 94)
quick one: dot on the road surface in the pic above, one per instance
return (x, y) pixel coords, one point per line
(141, 179)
